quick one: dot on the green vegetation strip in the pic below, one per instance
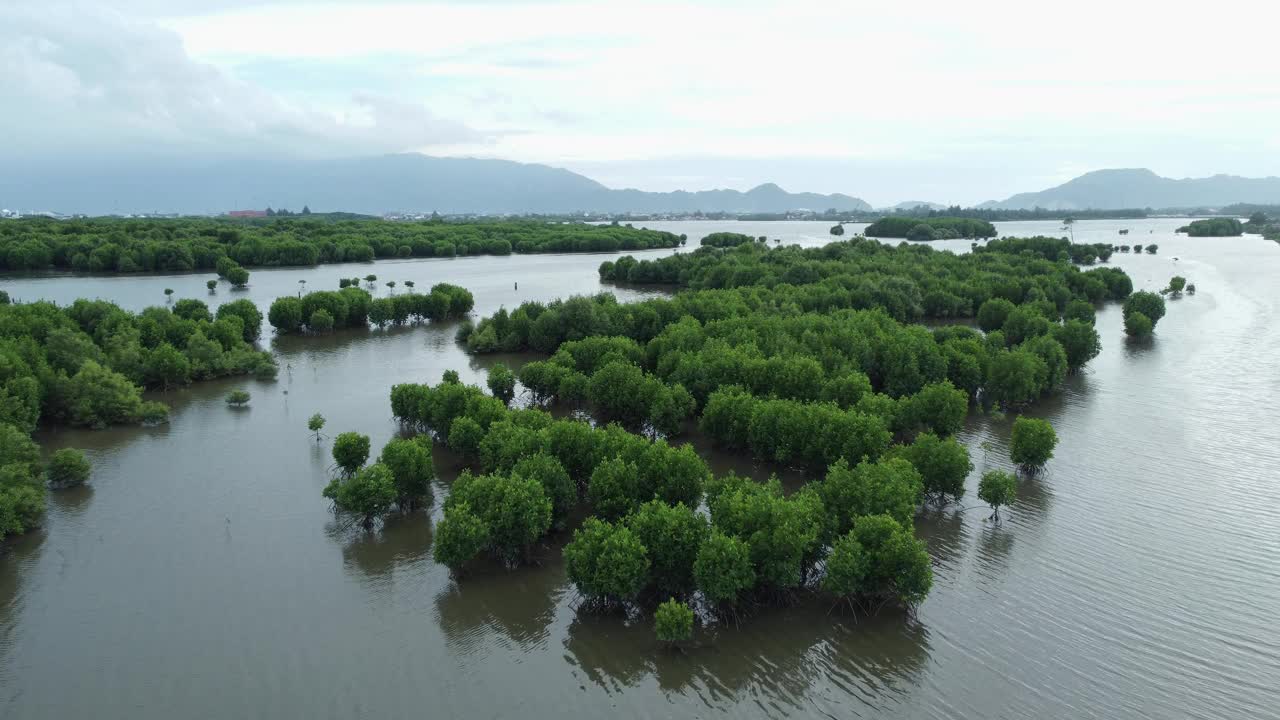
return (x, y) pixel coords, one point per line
(119, 245)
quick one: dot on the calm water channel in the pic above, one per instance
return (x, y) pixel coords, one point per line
(201, 574)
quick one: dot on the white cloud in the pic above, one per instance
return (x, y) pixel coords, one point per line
(942, 91)
(77, 79)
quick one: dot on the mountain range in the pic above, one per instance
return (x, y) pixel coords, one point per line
(1142, 188)
(375, 185)
(420, 184)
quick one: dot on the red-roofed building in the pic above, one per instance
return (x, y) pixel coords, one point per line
(246, 213)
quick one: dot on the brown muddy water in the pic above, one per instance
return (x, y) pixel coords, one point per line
(202, 575)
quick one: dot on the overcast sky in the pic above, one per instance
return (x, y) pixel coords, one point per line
(888, 101)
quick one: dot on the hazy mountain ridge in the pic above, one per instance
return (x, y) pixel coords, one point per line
(419, 183)
(1142, 188)
(373, 185)
(913, 204)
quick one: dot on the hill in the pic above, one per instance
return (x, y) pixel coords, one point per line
(374, 185)
(1142, 188)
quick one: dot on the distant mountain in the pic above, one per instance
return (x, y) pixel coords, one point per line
(767, 198)
(913, 204)
(375, 185)
(1141, 188)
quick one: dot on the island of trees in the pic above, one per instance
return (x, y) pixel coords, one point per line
(85, 365)
(930, 228)
(120, 245)
(1213, 227)
(352, 306)
(1054, 249)
(728, 239)
(804, 358)
(1262, 221)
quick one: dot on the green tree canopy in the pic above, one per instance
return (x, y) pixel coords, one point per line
(614, 489)
(459, 537)
(943, 465)
(554, 479)
(411, 469)
(350, 451)
(515, 510)
(502, 383)
(997, 489)
(672, 537)
(673, 621)
(606, 562)
(368, 494)
(68, 467)
(1031, 443)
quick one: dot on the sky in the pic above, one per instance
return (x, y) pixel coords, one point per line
(887, 101)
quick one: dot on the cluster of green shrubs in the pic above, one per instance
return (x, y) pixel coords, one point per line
(351, 306)
(1142, 310)
(1051, 249)
(751, 320)
(1151, 249)
(85, 364)
(934, 228)
(231, 271)
(1031, 445)
(910, 282)
(402, 475)
(824, 363)
(23, 476)
(758, 543)
(1176, 285)
(111, 245)
(481, 428)
(603, 374)
(645, 540)
(792, 433)
(563, 459)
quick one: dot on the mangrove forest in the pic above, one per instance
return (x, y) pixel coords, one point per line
(808, 359)
(130, 245)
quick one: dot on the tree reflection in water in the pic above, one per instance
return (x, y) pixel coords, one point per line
(403, 541)
(496, 608)
(780, 659)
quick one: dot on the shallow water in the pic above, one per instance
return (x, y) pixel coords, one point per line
(201, 574)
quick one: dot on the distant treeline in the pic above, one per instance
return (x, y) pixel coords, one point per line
(1249, 210)
(127, 245)
(931, 228)
(999, 215)
(918, 211)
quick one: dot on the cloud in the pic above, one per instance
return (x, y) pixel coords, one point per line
(76, 79)
(967, 100)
